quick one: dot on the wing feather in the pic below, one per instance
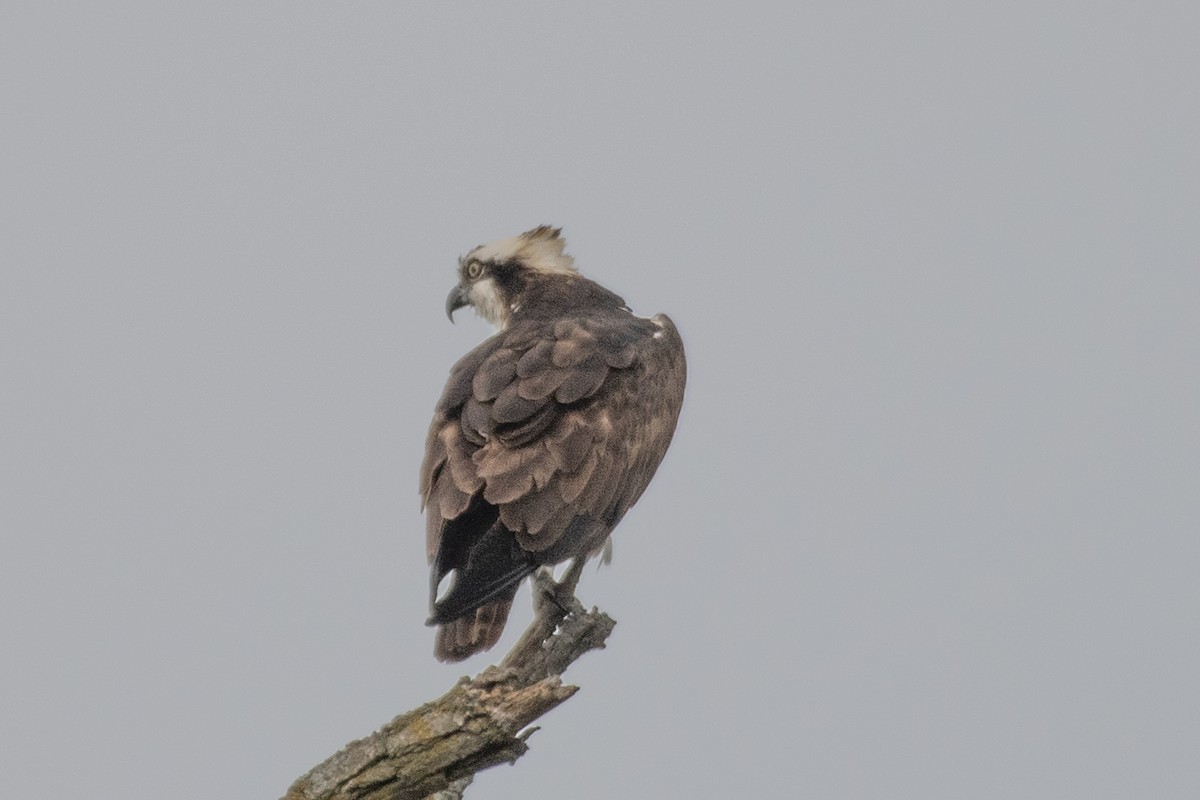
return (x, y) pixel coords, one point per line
(621, 357)
(582, 380)
(459, 454)
(536, 360)
(505, 487)
(462, 375)
(539, 385)
(571, 442)
(494, 374)
(531, 512)
(600, 495)
(571, 486)
(477, 423)
(510, 406)
(522, 433)
(572, 348)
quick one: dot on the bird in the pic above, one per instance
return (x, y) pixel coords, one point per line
(545, 435)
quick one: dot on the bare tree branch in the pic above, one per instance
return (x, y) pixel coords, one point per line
(434, 751)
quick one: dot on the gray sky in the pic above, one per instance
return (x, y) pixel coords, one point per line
(929, 525)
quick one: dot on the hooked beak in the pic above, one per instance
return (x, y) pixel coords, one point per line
(457, 299)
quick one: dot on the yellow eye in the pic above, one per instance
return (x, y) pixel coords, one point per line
(474, 269)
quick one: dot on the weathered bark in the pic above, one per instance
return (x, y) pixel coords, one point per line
(435, 750)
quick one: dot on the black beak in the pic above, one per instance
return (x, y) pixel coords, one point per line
(456, 300)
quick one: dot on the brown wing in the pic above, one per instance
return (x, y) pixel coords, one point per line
(554, 427)
(616, 400)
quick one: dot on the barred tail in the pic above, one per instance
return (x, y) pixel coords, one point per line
(474, 632)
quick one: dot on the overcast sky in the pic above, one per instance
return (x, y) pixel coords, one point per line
(929, 527)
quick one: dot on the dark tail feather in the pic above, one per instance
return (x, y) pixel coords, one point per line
(475, 632)
(489, 570)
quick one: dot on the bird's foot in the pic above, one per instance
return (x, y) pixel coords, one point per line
(560, 593)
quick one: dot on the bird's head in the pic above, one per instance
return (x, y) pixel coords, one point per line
(492, 277)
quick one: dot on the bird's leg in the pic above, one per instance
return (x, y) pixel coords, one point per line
(565, 589)
(552, 603)
(562, 592)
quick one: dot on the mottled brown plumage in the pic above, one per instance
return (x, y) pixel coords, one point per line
(546, 433)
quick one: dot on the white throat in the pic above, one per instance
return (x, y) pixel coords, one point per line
(487, 302)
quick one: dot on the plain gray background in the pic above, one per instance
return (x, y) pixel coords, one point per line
(929, 525)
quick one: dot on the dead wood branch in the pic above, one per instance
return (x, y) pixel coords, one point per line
(434, 751)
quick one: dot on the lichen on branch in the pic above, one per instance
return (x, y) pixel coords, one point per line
(435, 750)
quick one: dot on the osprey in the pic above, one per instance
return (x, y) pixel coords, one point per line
(545, 434)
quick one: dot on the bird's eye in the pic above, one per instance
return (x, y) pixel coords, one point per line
(474, 269)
